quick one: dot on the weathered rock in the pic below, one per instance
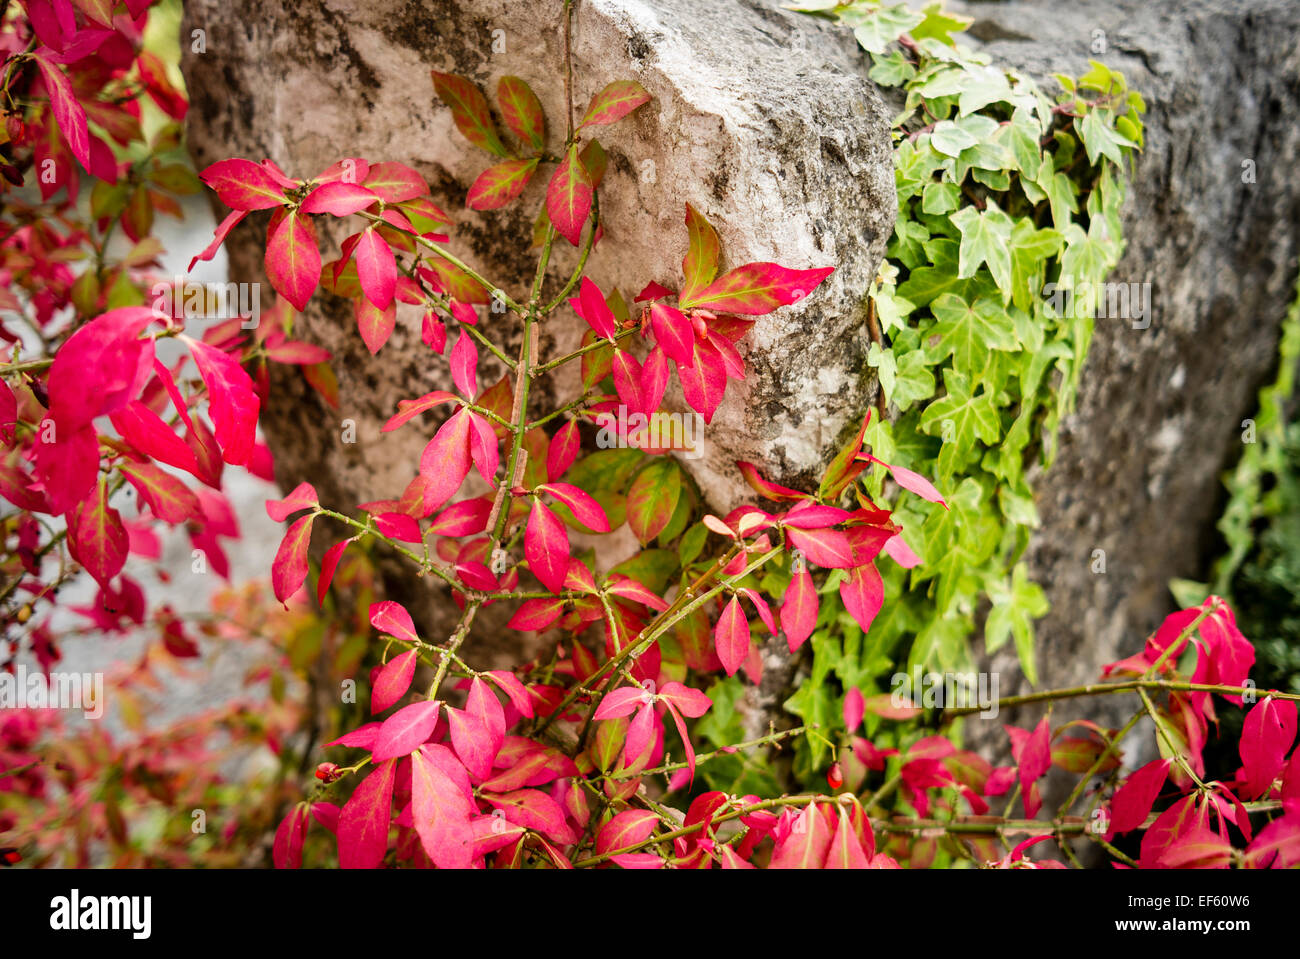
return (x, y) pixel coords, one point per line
(1160, 410)
(758, 121)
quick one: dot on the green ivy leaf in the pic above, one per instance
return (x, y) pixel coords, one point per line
(985, 239)
(967, 333)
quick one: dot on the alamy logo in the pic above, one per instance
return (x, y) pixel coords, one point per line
(1105, 301)
(75, 912)
(659, 433)
(946, 691)
(188, 299)
(56, 690)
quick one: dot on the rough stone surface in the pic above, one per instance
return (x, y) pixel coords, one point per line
(1160, 410)
(758, 121)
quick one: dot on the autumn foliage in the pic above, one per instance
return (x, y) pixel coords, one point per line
(585, 756)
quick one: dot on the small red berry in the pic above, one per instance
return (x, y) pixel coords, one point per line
(835, 776)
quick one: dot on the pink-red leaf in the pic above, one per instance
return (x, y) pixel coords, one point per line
(469, 108)
(522, 111)
(568, 196)
(303, 497)
(614, 102)
(756, 288)
(498, 185)
(392, 681)
(585, 509)
(546, 545)
(731, 637)
(363, 821)
(376, 268)
(289, 569)
(293, 259)
(404, 731)
(393, 620)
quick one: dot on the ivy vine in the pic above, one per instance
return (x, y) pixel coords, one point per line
(1001, 192)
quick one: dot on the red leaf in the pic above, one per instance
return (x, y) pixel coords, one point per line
(623, 701)
(289, 570)
(630, 589)
(363, 821)
(616, 101)
(591, 306)
(809, 515)
(483, 448)
(232, 401)
(286, 852)
(731, 637)
(243, 185)
(363, 737)
(440, 809)
(766, 488)
(462, 519)
(100, 368)
(863, 594)
(472, 743)
(376, 268)
(1200, 848)
(293, 258)
(584, 506)
(170, 499)
(328, 565)
(799, 609)
(563, 450)
(469, 108)
(522, 111)
(498, 185)
(846, 850)
(1266, 738)
(514, 690)
(534, 810)
(303, 497)
(219, 236)
(629, 828)
(404, 731)
(654, 380)
(700, 265)
(392, 619)
(464, 365)
(627, 380)
(568, 197)
(338, 199)
(68, 113)
(673, 332)
(97, 538)
(392, 681)
(829, 548)
(407, 409)
(1034, 754)
(704, 381)
(855, 707)
(1278, 844)
(394, 182)
(1133, 800)
(483, 705)
(909, 480)
(687, 701)
(546, 545)
(446, 460)
(806, 844)
(898, 550)
(756, 288)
